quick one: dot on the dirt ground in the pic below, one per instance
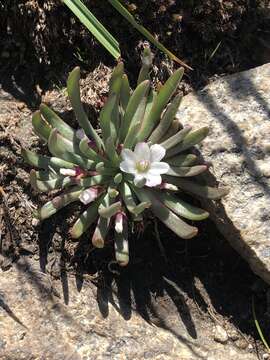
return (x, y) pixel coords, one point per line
(209, 277)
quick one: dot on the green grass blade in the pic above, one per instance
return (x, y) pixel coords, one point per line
(258, 325)
(126, 14)
(94, 26)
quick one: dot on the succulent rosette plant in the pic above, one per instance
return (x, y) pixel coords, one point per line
(139, 158)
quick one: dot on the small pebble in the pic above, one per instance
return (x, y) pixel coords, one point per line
(265, 356)
(220, 335)
(241, 344)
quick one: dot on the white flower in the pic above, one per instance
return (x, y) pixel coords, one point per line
(89, 195)
(67, 172)
(144, 163)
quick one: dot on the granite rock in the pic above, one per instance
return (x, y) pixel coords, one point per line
(237, 110)
(40, 321)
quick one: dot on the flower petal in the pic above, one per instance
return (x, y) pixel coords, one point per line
(128, 167)
(157, 152)
(142, 151)
(153, 180)
(158, 168)
(138, 180)
(128, 155)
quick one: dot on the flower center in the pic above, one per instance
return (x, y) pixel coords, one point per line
(142, 165)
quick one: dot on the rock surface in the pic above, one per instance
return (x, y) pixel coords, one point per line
(36, 324)
(237, 109)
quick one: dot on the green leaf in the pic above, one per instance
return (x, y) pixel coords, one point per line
(41, 127)
(48, 185)
(189, 140)
(185, 171)
(118, 178)
(121, 247)
(110, 150)
(56, 122)
(176, 139)
(45, 162)
(110, 210)
(125, 92)
(147, 60)
(180, 207)
(172, 221)
(58, 148)
(166, 120)
(93, 180)
(87, 151)
(46, 175)
(130, 202)
(182, 160)
(73, 88)
(60, 201)
(137, 117)
(136, 106)
(87, 218)
(162, 99)
(174, 128)
(196, 188)
(94, 26)
(102, 227)
(126, 14)
(107, 126)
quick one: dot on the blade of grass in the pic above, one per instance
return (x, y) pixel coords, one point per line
(258, 325)
(126, 14)
(94, 26)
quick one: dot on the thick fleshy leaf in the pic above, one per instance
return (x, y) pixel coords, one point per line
(180, 207)
(55, 144)
(115, 86)
(178, 226)
(105, 118)
(159, 104)
(203, 191)
(86, 219)
(93, 180)
(121, 247)
(185, 171)
(111, 152)
(48, 185)
(174, 128)
(182, 160)
(166, 120)
(115, 82)
(46, 175)
(60, 201)
(147, 60)
(56, 122)
(41, 127)
(102, 228)
(125, 92)
(130, 202)
(109, 210)
(118, 178)
(73, 88)
(87, 151)
(176, 139)
(135, 107)
(189, 140)
(45, 162)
